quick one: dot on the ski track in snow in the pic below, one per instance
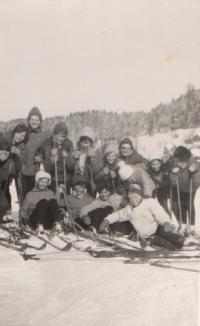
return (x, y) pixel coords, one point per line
(81, 290)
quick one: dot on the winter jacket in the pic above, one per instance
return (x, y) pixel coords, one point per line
(7, 169)
(100, 176)
(184, 177)
(75, 204)
(49, 166)
(143, 178)
(134, 158)
(161, 178)
(31, 200)
(114, 201)
(19, 159)
(33, 148)
(145, 218)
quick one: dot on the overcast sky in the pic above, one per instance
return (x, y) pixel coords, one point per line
(72, 55)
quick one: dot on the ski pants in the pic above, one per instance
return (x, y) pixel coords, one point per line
(28, 183)
(168, 240)
(45, 213)
(185, 205)
(98, 215)
(4, 205)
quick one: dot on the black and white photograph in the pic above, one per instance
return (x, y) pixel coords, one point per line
(99, 162)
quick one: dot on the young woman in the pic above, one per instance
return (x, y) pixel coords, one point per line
(129, 155)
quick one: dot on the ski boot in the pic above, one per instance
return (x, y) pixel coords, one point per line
(39, 230)
(58, 228)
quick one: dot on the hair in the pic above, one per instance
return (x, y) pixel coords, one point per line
(21, 128)
(104, 185)
(182, 154)
(82, 138)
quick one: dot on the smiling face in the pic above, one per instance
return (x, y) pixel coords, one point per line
(179, 163)
(19, 137)
(34, 122)
(43, 183)
(80, 189)
(156, 165)
(125, 149)
(111, 158)
(134, 198)
(59, 138)
(104, 194)
(4, 153)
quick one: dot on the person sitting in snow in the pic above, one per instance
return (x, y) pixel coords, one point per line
(133, 174)
(58, 148)
(159, 172)
(107, 202)
(149, 219)
(85, 159)
(129, 155)
(40, 209)
(109, 167)
(185, 179)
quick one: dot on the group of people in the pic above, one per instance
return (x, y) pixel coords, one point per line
(117, 190)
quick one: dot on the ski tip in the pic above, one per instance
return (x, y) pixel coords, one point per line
(43, 246)
(67, 247)
(23, 247)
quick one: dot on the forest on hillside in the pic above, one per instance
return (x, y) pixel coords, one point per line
(183, 112)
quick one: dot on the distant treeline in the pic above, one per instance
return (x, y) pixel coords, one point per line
(184, 112)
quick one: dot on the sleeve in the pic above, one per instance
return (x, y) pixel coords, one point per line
(119, 216)
(89, 208)
(48, 164)
(157, 211)
(148, 185)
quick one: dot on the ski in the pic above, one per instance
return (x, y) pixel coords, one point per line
(18, 243)
(45, 239)
(13, 247)
(166, 264)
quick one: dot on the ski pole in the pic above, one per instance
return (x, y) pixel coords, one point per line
(190, 209)
(92, 181)
(113, 184)
(170, 202)
(64, 170)
(56, 176)
(179, 202)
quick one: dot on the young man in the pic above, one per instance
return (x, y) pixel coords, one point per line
(149, 219)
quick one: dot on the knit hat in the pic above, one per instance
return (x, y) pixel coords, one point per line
(42, 174)
(78, 179)
(182, 153)
(4, 144)
(155, 156)
(111, 149)
(126, 141)
(60, 127)
(35, 111)
(87, 132)
(135, 188)
(125, 172)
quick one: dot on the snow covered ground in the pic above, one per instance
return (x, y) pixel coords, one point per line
(77, 289)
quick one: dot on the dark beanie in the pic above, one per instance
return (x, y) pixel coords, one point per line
(35, 111)
(78, 179)
(104, 185)
(4, 144)
(182, 153)
(126, 141)
(60, 127)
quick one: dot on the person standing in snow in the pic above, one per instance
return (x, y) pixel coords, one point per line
(33, 147)
(149, 219)
(185, 179)
(132, 174)
(129, 155)
(85, 159)
(40, 209)
(7, 172)
(159, 172)
(57, 149)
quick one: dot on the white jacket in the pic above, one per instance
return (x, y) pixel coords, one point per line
(145, 217)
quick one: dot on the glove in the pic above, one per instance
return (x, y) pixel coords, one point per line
(175, 170)
(106, 170)
(112, 174)
(61, 188)
(64, 154)
(167, 227)
(13, 149)
(38, 159)
(54, 151)
(86, 219)
(103, 225)
(76, 155)
(17, 151)
(91, 153)
(192, 168)
(54, 158)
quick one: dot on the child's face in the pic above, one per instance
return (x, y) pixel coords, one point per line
(134, 198)
(155, 165)
(59, 138)
(80, 189)
(19, 136)
(179, 164)
(34, 122)
(125, 149)
(85, 143)
(43, 183)
(4, 153)
(104, 194)
(111, 157)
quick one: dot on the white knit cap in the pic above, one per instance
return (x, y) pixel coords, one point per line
(154, 156)
(125, 172)
(42, 174)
